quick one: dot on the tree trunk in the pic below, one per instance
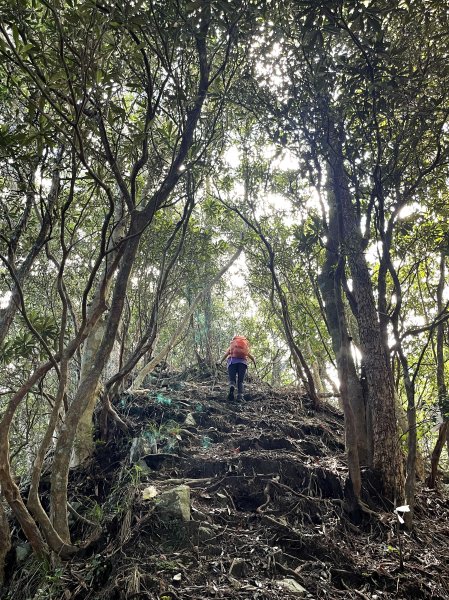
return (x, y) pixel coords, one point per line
(387, 458)
(88, 387)
(10, 489)
(27, 523)
(5, 541)
(34, 504)
(276, 368)
(302, 367)
(351, 433)
(412, 440)
(435, 458)
(315, 368)
(441, 382)
(84, 444)
(338, 330)
(207, 334)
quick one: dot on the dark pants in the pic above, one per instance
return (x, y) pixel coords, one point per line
(237, 370)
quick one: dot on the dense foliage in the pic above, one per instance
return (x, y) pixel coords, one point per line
(173, 173)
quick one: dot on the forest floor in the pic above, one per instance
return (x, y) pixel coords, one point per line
(209, 499)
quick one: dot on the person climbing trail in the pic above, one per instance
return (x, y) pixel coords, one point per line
(237, 354)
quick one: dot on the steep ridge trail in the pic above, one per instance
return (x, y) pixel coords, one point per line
(210, 499)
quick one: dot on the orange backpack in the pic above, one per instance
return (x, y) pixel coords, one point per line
(239, 347)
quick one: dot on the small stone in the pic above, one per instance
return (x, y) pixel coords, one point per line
(293, 586)
(190, 420)
(174, 504)
(22, 551)
(149, 492)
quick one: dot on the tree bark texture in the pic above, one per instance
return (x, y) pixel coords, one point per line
(386, 450)
(343, 360)
(436, 454)
(54, 541)
(5, 541)
(84, 445)
(338, 330)
(441, 382)
(87, 388)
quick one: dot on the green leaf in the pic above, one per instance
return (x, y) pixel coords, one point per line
(15, 35)
(26, 49)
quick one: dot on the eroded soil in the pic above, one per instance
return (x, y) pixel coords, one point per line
(269, 505)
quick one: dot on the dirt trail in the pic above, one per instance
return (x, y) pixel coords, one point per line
(266, 509)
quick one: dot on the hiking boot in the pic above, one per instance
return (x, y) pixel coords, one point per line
(231, 394)
(239, 397)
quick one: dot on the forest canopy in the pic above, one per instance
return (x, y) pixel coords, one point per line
(174, 173)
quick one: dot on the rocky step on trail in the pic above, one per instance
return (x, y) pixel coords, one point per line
(209, 499)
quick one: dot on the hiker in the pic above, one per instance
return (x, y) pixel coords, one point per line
(237, 355)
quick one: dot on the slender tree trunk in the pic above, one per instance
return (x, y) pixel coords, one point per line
(196, 340)
(410, 480)
(5, 541)
(343, 361)
(338, 330)
(196, 335)
(315, 369)
(276, 368)
(331, 284)
(436, 454)
(88, 387)
(84, 444)
(208, 329)
(441, 382)
(447, 442)
(11, 493)
(34, 504)
(384, 319)
(403, 426)
(10, 489)
(302, 367)
(387, 458)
